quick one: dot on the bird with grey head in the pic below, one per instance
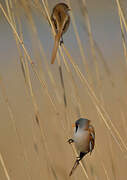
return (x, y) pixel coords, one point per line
(84, 139)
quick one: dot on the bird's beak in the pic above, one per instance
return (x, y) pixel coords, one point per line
(73, 125)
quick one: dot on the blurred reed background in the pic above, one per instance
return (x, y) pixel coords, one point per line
(40, 101)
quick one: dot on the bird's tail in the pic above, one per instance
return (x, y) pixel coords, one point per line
(74, 167)
(56, 44)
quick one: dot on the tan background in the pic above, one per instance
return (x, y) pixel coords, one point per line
(23, 148)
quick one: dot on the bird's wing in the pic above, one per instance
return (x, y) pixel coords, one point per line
(92, 138)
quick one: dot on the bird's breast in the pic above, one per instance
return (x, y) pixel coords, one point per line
(81, 139)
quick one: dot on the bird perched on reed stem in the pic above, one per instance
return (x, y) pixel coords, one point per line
(84, 139)
(61, 20)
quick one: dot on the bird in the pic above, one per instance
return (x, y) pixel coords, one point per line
(84, 139)
(60, 19)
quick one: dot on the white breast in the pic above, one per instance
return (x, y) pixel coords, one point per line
(81, 139)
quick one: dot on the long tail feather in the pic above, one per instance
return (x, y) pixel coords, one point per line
(74, 167)
(56, 44)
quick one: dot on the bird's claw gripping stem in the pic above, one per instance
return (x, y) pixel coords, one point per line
(70, 141)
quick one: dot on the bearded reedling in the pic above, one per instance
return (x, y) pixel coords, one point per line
(84, 139)
(61, 20)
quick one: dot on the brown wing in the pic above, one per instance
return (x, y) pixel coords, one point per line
(66, 25)
(54, 23)
(92, 138)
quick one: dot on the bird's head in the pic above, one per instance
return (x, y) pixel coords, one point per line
(64, 6)
(81, 124)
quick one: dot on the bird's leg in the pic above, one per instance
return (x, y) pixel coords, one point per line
(61, 41)
(70, 141)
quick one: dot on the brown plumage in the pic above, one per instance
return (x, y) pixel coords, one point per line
(84, 138)
(61, 20)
